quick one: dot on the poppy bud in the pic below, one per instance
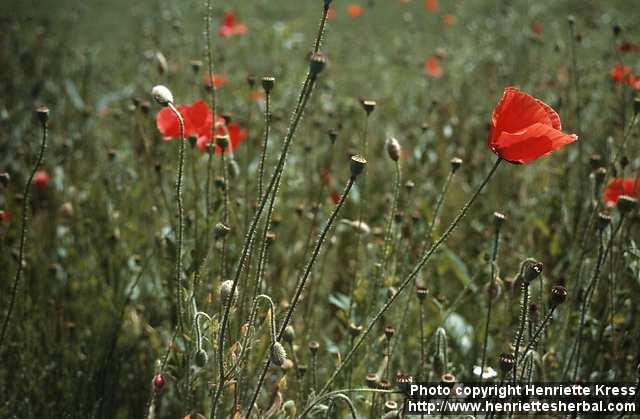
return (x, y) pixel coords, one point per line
(43, 114)
(558, 295)
(162, 95)
(317, 63)
(158, 382)
(455, 163)
(369, 106)
(506, 361)
(498, 220)
(371, 380)
(314, 345)
(354, 330)
(225, 293)
(531, 270)
(389, 331)
(201, 358)
(220, 231)
(196, 65)
(5, 179)
(278, 354)
(41, 180)
(289, 334)
(267, 83)
(393, 148)
(251, 80)
(421, 292)
(358, 164)
(333, 135)
(626, 204)
(604, 220)
(391, 291)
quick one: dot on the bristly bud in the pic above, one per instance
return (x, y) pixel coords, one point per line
(358, 163)
(225, 293)
(626, 204)
(43, 114)
(220, 231)
(558, 295)
(506, 361)
(201, 358)
(455, 162)
(267, 83)
(317, 63)
(5, 179)
(158, 382)
(498, 220)
(314, 345)
(162, 95)
(389, 331)
(531, 270)
(278, 354)
(371, 380)
(393, 148)
(289, 334)
(368, 105)
(604, 220)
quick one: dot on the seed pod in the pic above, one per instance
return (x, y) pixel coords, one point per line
(222, 141)
(333, 135)
(371, 380)
(393, 148)
(358, 163)
(498, 219)
(390, 405)
(389, 331)
(289, 334)
(225, 293)
(271, 238)
(317, 63)
(267, 83)
(421, 292)
(278, 354)
(369, 106)
(604, 220)
(314, 345)
(455, 163)
(43, 114)
(355, 330)
(251, 80)
(220, 231)
(558, 295)
(5, 179)
(196, 65)
(448, 379)
(532, 270)
(301, 371)
(506, 361)
(626, 204)
(595, 161)
(162, 95)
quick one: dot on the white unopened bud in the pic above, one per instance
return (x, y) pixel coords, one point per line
(393, 148)
(162, 95)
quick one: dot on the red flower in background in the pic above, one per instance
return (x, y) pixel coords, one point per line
(524, 128)
(536, 27)
(335, 197)
(431, 5)
(626, 47)
(449, 20)
(433, 68)
(198, 121)
(41, 179)
(218, 80)
(5, 216)
(620, 72)
(354, 11)
(331, 13)
(230, 27)
(621, 186)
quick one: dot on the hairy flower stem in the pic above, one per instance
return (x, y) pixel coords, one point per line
(302, 282)
(436, 212)
(225, 214)
(494, 257)
(536, 335)
(524, 311)
(412, 275)
(267, 128)
(212, 104)
(179, 203)
(24, 230)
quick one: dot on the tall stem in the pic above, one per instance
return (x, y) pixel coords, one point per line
(492, 284)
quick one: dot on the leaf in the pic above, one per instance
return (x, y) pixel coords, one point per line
(458, 266)
(339, 300)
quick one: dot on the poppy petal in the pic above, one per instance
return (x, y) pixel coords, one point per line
(517, 111)
(537, 140)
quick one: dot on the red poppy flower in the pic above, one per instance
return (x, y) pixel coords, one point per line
(633, 81)
(256, 95)
(335, 197)
(331, 13)
(536, 27)
(626, 47)
(354, 11)
(218, 80)
(326, 177)
(433, 68)
(41, 180)
(5, 216)
(524, 128)
(230, 27)
(621, 186)
(620, 72)
(449, 20)
(431, 5)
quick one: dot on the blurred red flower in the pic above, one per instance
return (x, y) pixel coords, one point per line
(536, 27)
(41, 180)
(331, 13)
(619, 72)
(218, 80)
(627, 46)
(354, 10)
(524, 128)
(449, 20)
(621, 186)
(431, 5)
(230, 27)
(335, 197)
(432, 67)
(198, 121)
(5, 216)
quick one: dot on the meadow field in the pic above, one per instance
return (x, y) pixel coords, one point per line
(279, 209)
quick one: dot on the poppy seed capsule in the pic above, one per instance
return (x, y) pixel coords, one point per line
(222, 141)
(390, 405)
(371, 380)
(369, 106)
(558, 295)
(158, 382)
(162, 95)
(455, 163)
(220, 231)
(314, 346)
(604, 220)
(333, 135)
(358, 163)
(225, 293)
(409, 185)
(354, 330)
(5, 179)
(271, 238)
(506, 362)
(636, 106)
(278, 354)
(384, 385)
(42, 113)
(599, 175)
(317, 63)
(448, 379)
(532, 270)
(626, 204)
(616, 30)
(196, 65)
(389, 331)
(498, 219)
(421, 292)
(595, 161)
(301, 371)
(267, 83)
(393, 148)
(251, 80)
